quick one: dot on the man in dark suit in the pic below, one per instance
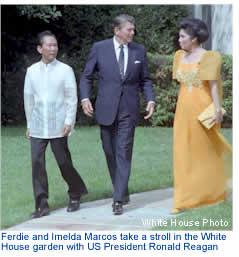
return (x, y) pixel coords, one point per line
(123, 71)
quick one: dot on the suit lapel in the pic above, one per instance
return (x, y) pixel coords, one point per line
(130, 61)
(112, 57)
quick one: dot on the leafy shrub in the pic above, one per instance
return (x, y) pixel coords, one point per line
(227, 88)
(77, 27)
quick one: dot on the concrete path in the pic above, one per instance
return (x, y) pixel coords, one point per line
(97, 215)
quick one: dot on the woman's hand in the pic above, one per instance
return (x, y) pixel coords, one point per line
(218, 117)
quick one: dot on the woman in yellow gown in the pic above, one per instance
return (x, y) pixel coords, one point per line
(199, 172)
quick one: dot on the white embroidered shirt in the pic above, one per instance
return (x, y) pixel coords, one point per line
(50, 99)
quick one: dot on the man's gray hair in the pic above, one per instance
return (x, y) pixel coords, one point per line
(122, 19)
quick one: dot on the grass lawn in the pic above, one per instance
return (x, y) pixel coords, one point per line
(151, 169)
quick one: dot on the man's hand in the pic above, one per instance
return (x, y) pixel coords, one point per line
(66, 130)
(28, 133)
(87, 108)
(150, 110)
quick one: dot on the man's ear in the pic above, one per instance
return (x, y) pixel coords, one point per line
(39, 49)
(116, 30)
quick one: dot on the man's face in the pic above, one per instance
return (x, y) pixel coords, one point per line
(125, 33)
(48, 49)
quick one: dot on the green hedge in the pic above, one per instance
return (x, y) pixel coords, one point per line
(166, 89)
(77, 27)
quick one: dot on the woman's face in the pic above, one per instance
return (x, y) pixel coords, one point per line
(185, 40)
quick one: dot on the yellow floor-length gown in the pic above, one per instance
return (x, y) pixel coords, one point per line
(200, 176)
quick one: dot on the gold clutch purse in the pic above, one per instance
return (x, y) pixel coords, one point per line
(206, 116)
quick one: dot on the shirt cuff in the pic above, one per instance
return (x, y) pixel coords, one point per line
(68, 122)
(84, 99)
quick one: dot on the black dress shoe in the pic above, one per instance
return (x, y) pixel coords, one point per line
(73, 205)
(40, 212)
(126, 200)
(117, 208)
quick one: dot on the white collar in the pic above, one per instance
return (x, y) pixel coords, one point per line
(117, 44)
(49, 64)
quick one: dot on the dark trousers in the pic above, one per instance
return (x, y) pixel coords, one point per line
(59, 146)
(117, 140)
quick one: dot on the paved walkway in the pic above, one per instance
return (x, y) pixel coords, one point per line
(97, 215)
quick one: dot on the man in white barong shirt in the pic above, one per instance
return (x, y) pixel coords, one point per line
(50, 101)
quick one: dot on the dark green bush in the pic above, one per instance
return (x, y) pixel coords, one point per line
(77, 27)
(227, 89)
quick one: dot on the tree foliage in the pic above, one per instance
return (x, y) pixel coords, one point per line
(77, 27)
(43, 12)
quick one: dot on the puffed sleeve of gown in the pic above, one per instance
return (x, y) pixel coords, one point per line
(210, 66)
(176, 61)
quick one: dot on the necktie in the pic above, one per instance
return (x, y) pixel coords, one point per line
(121, 61)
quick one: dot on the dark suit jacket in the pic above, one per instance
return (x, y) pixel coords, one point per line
(102, 59)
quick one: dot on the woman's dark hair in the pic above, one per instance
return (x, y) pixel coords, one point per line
(195, 28)
(43, 34)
